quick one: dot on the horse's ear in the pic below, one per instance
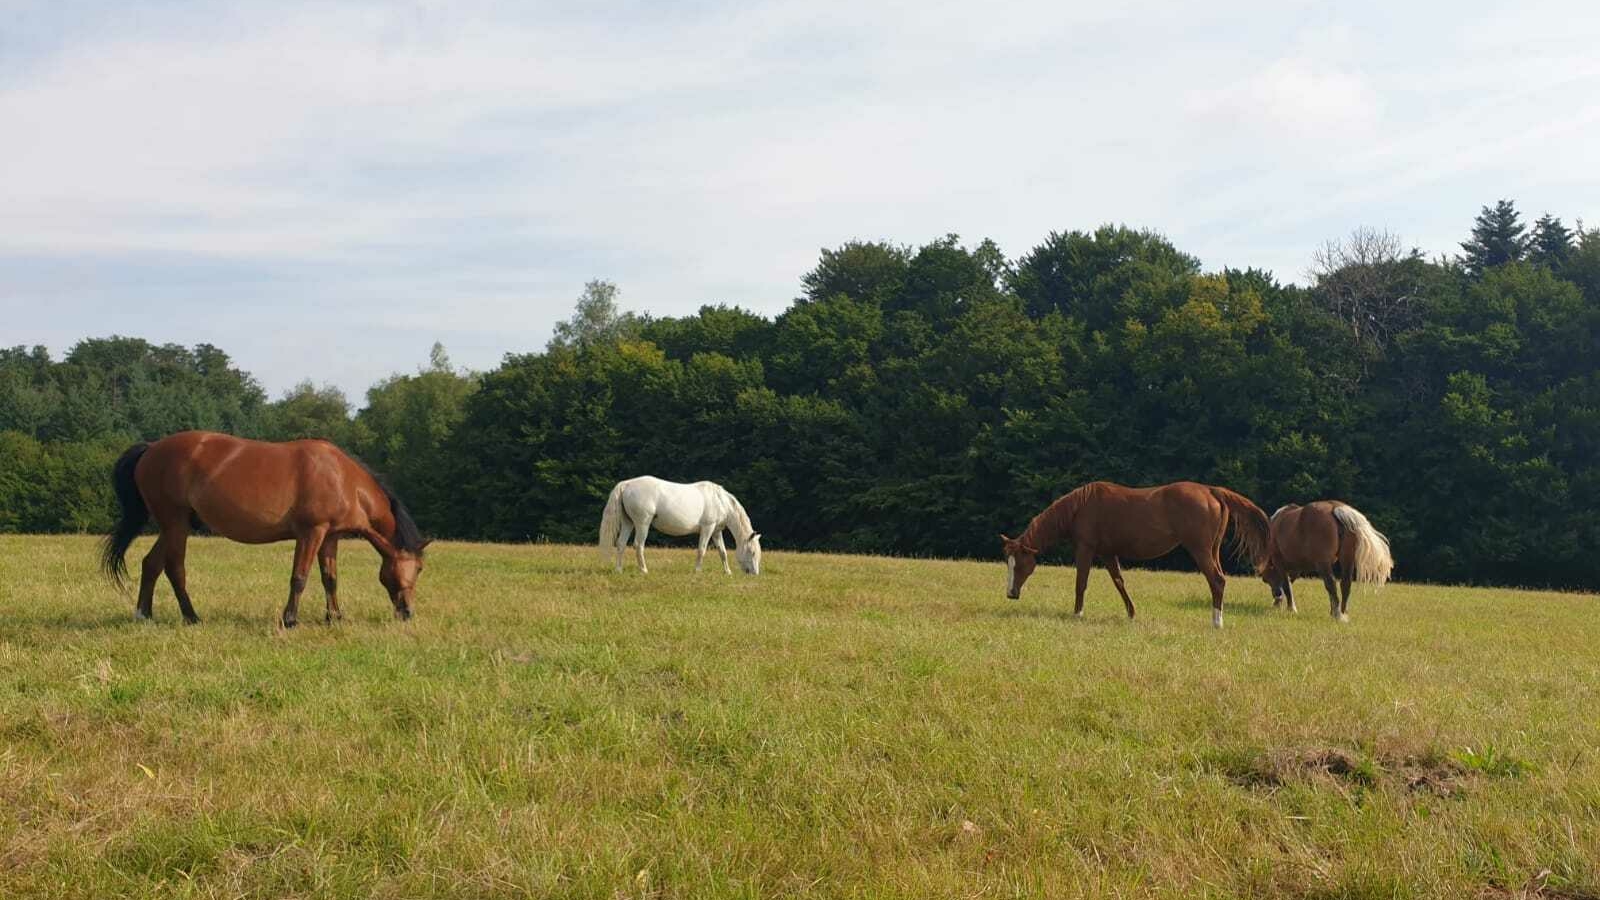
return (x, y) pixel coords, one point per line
(1029, 550)
(755, 536)
(424, 545)
(1005, 537)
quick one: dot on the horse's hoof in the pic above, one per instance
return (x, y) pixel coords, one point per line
(290, 623)
(191, 620)
(141, 616)
(1343, 617)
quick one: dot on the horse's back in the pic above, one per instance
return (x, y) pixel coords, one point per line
(248, 490)
(673, 507)
(1305, 536)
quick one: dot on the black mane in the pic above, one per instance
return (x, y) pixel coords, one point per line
(407, 536)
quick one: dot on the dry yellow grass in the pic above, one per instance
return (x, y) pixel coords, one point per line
(841, 726)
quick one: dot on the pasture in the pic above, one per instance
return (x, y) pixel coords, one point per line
(838, 727)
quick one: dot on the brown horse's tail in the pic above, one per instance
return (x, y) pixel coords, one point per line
(1249, 527)
(133, 518)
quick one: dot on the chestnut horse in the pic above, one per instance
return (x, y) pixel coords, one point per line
(1111, 522)
(257, 493)
(1312, 539)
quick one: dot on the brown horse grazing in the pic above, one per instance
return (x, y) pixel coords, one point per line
(1111, 522)
(257, 493)
(1312, 539)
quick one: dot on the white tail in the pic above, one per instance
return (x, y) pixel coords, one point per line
(611, 523)
(1373, 563)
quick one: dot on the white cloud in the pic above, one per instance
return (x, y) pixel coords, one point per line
(459, 169)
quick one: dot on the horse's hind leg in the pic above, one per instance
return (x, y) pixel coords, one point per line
(177, 549)
(643, 530)
(154, 561)
(1288, 592)
(1344, 591)
(328, 563)
(1326, 571)
(1211, 567)
(1214, 577)
(624, 534)
(1114, 566)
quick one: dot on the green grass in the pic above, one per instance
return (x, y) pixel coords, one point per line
(840, 726)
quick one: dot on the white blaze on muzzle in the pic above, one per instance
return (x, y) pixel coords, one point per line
(1011, 574)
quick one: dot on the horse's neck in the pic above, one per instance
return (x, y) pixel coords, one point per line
(736, 520)
(383, 543)
(1051, 527)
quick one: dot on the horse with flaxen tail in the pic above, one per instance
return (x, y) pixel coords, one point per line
(1316, 538)
(255, 492)
(1112, 522)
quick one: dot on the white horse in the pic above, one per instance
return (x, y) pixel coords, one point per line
(677, 509)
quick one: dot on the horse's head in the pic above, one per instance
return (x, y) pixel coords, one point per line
(1273, 575)
(1021, 560)
(398, 573)
(749, 554)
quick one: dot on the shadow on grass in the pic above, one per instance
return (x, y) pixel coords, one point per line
(1052, 613)
(1233, 608)
(99, 620)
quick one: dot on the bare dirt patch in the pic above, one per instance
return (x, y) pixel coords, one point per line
(1432, 774)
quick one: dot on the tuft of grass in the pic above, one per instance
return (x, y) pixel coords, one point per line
(839, 727)
(1493, 762)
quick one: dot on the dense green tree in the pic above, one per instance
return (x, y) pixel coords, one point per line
(1583, 266)
(308, 411)
(404, 429)
(597, 319)
(1551, 244)
(1105, 277)
(1498, 237)
(861, 270)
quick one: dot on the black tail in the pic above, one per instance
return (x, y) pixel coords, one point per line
(134, 515)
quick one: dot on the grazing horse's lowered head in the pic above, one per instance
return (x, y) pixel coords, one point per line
(398, 575)
(1021, 560)
(749, 554)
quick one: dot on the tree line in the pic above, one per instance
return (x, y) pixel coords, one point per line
(918, 400)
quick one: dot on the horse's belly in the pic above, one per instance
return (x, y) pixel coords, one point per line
(242, 523)
(670, 509)
(675, 522)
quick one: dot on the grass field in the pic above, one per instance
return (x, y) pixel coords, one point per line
(838, 727)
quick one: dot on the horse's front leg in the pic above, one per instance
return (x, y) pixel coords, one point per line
(722, 548)
(305, 550)
(328, 563)
(700, 552)
(1288, 592)
(1085, 562)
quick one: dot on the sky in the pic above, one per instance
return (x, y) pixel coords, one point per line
(324, 189)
